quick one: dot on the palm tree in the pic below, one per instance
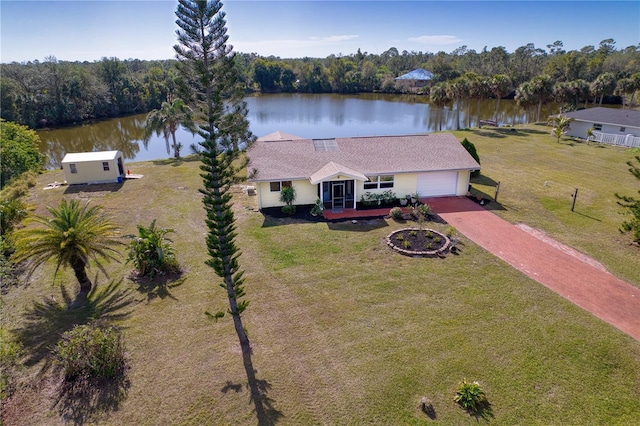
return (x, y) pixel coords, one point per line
(438, 96)
(73, 236)
(166, 120)
(560, 125)
(500, 86)
(603, 85)
(455, 90)
(590, 134)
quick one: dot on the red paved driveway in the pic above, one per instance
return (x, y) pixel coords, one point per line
(559, 268)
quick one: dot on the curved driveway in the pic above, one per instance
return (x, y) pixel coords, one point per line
(578, 279)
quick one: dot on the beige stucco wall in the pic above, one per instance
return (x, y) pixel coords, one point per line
(403, 184)
(463, 182)
(92, 172)
(305, 194)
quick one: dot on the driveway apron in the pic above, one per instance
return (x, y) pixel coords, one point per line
(561, 269)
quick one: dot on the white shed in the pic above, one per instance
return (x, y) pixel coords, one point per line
(93, 167)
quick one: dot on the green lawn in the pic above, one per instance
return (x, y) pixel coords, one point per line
(344, 330)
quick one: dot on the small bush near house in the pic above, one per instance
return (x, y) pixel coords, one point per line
(91, 352)
(289, 209)
(396, 213)
(471, 149)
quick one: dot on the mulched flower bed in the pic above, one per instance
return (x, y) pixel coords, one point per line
(416, 242)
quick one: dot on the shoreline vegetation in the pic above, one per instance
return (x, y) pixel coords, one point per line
(53, 94)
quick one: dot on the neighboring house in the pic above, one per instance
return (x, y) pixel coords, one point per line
(415, 79)
(621, 122)
(339, 171)
(93, 167)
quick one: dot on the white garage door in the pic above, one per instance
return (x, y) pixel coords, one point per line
(433, 184)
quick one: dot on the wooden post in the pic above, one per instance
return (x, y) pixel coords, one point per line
(574, 196)
(497, 192)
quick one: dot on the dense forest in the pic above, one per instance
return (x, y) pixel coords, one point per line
(56, 93)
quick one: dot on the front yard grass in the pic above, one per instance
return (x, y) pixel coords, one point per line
(344, 330)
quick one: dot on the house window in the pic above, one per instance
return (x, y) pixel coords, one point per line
(277, 186)
(597, 127)
(623, 129)
(72, 168)
(379, 182)
(105, 166)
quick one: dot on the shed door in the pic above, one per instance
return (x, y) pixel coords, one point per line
(434, 184)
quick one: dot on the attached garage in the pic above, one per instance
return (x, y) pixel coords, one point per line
(436, 184)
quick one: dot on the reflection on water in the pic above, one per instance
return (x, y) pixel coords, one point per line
(304, 115)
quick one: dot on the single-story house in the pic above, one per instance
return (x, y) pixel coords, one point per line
(617, 121)
(93, 167)
(339, 171)
(415, 79)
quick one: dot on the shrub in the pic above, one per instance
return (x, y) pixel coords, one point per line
(399, 237)
(19, 187)
(12, 211)
(88, 352)
(288, 195)
(10, 353)
(470, 396)
(396, 213)
(19, 151)
(317, 208)
(151, 252)
(413, 233)
(471, 149)
(451, 231)
(406, 244)
(8, 271)
(289, 209)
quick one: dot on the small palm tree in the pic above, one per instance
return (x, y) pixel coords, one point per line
(151, 251)
(589, 134)
(73, 236)
(165, 121)
(560, 125)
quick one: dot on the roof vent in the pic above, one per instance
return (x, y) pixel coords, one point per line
(325, 145)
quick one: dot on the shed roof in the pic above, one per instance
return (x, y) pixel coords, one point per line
(417, 74)
(81, 157)
(297, 159)
(601, 115)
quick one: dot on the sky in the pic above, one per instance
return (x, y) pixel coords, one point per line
(88, 30)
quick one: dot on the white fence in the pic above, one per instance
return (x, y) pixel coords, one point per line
(613, 139)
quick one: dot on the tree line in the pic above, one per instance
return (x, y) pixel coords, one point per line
(56, 93)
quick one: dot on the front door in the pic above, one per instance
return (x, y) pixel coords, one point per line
(337, 195)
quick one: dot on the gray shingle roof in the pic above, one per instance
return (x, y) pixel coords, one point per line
(375, 155)
(600, 115)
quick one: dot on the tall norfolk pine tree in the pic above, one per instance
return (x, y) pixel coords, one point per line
(206, 64)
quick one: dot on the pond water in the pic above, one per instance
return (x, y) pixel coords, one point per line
(304, 115)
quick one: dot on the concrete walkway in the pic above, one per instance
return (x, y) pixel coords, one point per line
(563, 270)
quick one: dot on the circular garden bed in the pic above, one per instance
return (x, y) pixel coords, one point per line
(418, 242)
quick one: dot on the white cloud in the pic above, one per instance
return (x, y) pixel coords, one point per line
(436, 40)
(334, 39)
